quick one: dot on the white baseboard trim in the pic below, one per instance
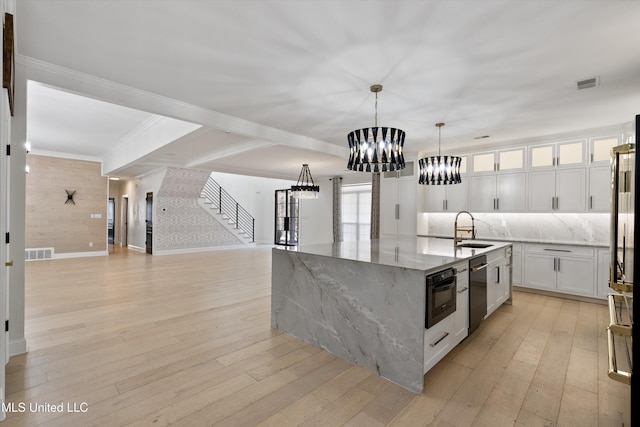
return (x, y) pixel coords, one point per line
(195, 250)
(79, 254)
(17, 347)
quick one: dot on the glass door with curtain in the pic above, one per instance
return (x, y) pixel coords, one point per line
(286, 218)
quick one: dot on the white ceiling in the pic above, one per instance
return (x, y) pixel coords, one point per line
(278, 83)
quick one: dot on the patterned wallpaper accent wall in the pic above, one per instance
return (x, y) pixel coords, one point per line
(180, 222)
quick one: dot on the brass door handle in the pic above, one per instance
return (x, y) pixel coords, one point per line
(8, 264)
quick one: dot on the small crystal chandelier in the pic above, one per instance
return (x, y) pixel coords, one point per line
(439, 170)
(305, 188)
(376, 149)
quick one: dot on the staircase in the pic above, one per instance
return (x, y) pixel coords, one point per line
(239, 221)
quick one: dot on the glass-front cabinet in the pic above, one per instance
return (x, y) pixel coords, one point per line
(570, 153)
(495, 161)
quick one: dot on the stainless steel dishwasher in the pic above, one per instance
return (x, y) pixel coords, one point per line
(477, 291)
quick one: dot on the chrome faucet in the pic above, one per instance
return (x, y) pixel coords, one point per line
(470, 230)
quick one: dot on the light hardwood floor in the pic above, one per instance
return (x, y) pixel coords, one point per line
(186, 340)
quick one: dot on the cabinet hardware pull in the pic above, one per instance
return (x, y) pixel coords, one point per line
(555, 261)
(590, 202)
(557, 203)
(498, 274)
(397, 211)
(498, 204)
(462, 290)
(557, 250)
(462, 271)
(446, 334)
(558, 264)
(8, 264)
(479, 267)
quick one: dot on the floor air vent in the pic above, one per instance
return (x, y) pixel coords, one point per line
(38, 254)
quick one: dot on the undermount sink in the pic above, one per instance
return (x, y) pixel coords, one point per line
(475, 245)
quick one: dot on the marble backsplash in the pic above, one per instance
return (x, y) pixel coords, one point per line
(568, 228)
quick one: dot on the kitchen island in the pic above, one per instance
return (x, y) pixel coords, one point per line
(364, 301)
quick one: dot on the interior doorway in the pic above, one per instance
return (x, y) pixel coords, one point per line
(124, 233)
(111, 220)
(286, 218)
(149, 224)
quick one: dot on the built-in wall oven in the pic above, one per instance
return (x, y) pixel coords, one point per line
(441, 296)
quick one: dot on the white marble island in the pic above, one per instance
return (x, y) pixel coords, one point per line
(363, 301)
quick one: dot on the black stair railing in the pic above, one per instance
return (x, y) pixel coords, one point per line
(229, 208)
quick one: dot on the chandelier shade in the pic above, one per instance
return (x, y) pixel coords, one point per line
(305, 188)
(376, 149)
(439, 170)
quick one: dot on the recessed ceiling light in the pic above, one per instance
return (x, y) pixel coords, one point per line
(114, 178)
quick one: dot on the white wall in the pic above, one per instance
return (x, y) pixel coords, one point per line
(316, 216)
(136, 190)
(257, 195)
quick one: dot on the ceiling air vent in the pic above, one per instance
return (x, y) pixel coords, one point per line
(588, 83)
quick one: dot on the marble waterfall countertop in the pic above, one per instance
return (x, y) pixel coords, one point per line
(363, 301)
(417, 253)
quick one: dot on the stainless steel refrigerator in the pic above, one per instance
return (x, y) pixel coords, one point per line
(622, 270)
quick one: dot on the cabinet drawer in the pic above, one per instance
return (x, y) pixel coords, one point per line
(496, 255)
(560, 250)
(438, 342)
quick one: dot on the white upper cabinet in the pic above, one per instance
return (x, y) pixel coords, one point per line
(600, 148)
(510, 160)
(496, 161)
(599, 189)
(498, 192)
(571, 153)
(562, 190)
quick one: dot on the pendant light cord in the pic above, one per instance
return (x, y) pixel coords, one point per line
(439, 135)
(376, 117)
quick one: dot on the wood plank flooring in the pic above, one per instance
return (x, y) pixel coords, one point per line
(186, 340)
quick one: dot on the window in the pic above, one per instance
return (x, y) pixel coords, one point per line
(356, 212)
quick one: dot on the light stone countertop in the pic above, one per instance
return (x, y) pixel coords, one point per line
(416, 253)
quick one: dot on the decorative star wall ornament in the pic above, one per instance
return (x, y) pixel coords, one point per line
(70, 197)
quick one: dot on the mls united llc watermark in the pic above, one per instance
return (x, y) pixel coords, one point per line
(68, 407)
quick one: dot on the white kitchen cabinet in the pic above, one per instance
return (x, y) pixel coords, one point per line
(600, 148)
(516, 264)
(438, 341)
(565, 269)
(576, 275)
(461, 316)
(604, 261)
(511, 159)
(498, 192)
(498, 280)
(539, 271)
(599, 189)
(562, 190)
(398, 206)
(569, 153)
(446, 198)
